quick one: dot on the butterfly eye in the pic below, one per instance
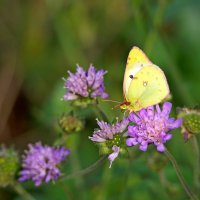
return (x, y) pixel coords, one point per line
(131, 76)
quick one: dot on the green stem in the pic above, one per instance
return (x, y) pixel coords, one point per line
(22, 192)
(180, 176)
(197, 164)
(84, 171)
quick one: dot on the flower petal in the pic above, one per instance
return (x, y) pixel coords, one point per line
(167, 106)
(70, 96)
(143, 146)
(113, 155)
(131, 142)
(161, 147)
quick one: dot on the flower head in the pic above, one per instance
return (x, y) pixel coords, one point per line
(152, 127)
(110, 138)
(85, 84)
(40, 163)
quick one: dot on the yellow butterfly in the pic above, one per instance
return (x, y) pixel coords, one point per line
(144, 84)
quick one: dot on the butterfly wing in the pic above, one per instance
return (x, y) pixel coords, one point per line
(149, 87)
(136, 59)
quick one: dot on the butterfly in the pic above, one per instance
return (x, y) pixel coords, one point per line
(144, 83)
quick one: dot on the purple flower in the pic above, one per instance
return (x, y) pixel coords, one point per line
(110, 138)
(152, 127)
(40, 163)
(85, 84)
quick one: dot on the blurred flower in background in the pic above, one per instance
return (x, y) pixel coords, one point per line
(41, 163)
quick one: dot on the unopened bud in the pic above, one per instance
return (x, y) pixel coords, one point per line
(9, 163)
(191, 122)
(71, 124)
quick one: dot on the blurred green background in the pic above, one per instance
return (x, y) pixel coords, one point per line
(40, 40)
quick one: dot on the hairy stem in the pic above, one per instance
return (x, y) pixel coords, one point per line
(180, 176)
(197, 164)
(22, 192)
(85, 171)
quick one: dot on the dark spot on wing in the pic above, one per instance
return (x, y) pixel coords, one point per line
(131, 76)
(145, 83)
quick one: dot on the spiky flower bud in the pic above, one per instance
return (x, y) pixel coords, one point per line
(191, 121)
(9, 163)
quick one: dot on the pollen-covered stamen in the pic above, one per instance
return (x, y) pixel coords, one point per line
(117, 140)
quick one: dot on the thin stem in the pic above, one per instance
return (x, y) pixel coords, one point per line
(86, 170)
(22, 192)
(197, 163)
(180, 176)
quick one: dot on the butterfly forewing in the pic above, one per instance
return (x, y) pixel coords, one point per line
(136, 60)
(149, 87)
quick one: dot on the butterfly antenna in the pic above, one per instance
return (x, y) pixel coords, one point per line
(109, 100)
(116, 106)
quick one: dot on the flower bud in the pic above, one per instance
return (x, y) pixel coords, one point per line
(8, 166)
(191, 122)
(71, 124)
